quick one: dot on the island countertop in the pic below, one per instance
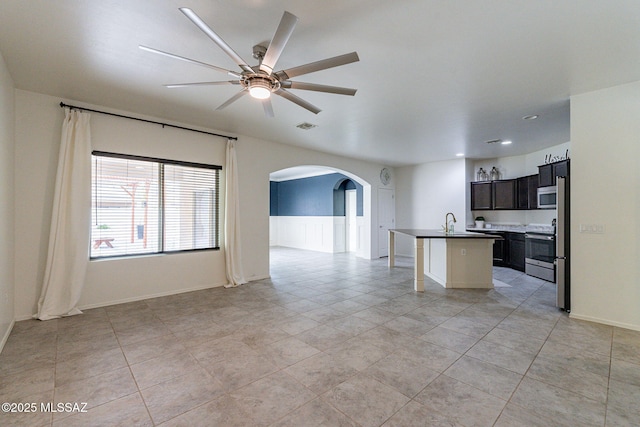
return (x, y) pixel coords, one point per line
(421, 233)
(456, 260)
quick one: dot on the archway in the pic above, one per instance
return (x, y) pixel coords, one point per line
(308, 210)
(347, 203)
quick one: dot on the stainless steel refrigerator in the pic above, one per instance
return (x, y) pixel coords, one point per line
(562, 261)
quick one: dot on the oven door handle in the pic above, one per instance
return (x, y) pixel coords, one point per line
(538, 237)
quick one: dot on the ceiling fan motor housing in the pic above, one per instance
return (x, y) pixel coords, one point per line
(260, 85)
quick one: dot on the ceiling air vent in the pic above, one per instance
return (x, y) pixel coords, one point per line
(306, 126)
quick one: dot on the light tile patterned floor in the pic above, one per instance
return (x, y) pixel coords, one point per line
(329, 340)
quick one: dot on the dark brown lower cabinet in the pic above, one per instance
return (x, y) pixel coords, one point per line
(508, 252)
(515, 242)
(500, 250)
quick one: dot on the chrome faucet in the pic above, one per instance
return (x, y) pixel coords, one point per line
(446, 222)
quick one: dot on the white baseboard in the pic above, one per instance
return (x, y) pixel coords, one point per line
(138, 298)
(604, 321)
(256, 278)
(6, 335)
(133, 299)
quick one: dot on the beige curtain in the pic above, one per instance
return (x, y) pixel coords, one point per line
(70, 221)
(232, 247)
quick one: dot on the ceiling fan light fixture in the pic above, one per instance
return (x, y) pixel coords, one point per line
(260, 89)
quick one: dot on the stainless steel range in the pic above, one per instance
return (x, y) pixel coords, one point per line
(540, 253)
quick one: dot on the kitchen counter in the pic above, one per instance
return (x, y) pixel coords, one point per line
(514, 228)
(439, 234)
(456, 260)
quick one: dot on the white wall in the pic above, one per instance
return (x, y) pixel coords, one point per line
(38, 127)
(605, 189)
(7, 205)
(424, 195)
(257, 159)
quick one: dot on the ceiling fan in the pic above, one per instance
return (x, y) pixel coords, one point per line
(260, 81)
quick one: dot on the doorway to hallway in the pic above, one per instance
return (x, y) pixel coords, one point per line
(386, 219)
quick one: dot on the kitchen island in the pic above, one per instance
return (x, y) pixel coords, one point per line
(455, 260)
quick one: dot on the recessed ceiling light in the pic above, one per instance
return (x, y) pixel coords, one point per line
(531, 117)
(505, 142)
(459, 154)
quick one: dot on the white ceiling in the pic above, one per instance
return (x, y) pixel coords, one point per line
(435, 78)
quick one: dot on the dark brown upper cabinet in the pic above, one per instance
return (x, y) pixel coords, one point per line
(518, 193)
(527, 192)
(533, 191)
(550, 171)
(481, 195)
(504, 194)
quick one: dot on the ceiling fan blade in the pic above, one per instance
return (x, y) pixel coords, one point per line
(312, 67)
(287, 84)
(192, 61)
(233, 99)
(268, 107)
(296, 100)
(216, 38)
(278, 42)
(229, 82)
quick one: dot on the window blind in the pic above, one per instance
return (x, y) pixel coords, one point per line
(144, 205)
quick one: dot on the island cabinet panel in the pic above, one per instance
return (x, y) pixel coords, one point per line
(504, 194)
(481, 195)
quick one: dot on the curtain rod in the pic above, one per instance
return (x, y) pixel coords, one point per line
(73, 107)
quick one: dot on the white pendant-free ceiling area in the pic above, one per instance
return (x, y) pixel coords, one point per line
(434, 79)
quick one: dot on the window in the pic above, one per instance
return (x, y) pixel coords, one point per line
(142, 205)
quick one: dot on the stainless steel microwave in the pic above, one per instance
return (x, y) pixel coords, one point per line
(547, 197)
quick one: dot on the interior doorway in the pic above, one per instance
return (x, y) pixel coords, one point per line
(351, 225)
(386, 219)
(320, 209)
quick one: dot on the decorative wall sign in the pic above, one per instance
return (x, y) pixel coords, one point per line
(550, 158)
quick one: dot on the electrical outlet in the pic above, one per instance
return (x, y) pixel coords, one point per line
(592, 228)
(463, 251)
